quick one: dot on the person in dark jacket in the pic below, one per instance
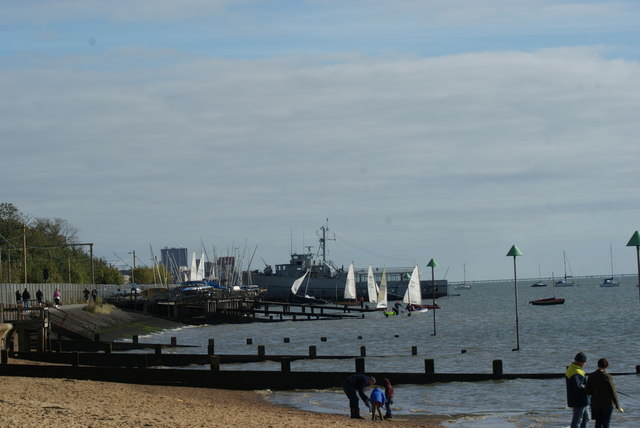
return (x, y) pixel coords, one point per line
(39, 297)
(353, 386)
(603, 394)
(577, 397)
(26, 298)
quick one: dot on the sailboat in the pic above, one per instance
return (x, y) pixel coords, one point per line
(610, 282)
(549, 300)
(413, 295)
(382, 291)
(564, 282)
(305, 298)
(350, 284)
(464, 285)
(539, 283)
(372, 287)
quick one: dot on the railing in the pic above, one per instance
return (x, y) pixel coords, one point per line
(10, 313)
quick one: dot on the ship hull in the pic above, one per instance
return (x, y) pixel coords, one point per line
(278, 288)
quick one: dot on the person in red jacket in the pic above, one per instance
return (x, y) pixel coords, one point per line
(389, 392)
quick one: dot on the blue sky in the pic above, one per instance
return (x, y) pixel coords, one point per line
(444, 129)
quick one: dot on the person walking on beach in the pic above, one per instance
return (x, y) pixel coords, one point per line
(603, 394)
(56, 297)
(39, 297)
(389, 393)
(353, 386)
(577, 397)
(26, 297)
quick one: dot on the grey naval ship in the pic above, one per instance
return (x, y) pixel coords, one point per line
(326, 282)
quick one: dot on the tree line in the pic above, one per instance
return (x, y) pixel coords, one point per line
(53, 252)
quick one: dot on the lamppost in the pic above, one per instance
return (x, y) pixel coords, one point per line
(515, 252)
(635, 242)
(432, 264)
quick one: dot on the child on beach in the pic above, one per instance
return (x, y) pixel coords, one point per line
(389, 393)
(377, 400)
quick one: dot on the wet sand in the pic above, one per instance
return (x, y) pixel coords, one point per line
(38, 402)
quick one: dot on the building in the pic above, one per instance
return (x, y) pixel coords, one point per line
(175, 260)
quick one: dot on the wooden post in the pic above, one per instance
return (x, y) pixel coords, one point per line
(214, 360)
(497, 367)
(75, 359)
(312, 351)
(429, 366)
(359, 365)
(210, 347)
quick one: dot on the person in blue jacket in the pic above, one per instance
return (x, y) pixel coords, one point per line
(577, 397)
(377, 399)
(353, 386)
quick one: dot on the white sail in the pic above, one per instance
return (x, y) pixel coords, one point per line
(413, 295)
(372, 287)
(382, 291)
(200, 271)
(193, 273)
(350, 285)
(298, 282)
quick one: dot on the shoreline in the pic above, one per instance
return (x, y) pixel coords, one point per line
(65, 403)
(27, 402)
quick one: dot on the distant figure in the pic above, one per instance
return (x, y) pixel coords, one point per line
(377, 400)
(86, 294)
(57, 296)
(389, 393)
(94, 294)
(25, 298)
(18, 298)
(603, 395)
(361, 302)
(577, 397)
(39, 297)
(353, 386)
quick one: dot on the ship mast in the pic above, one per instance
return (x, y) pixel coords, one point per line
(323, 241)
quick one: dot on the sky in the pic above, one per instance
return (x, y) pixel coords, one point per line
(444, 129)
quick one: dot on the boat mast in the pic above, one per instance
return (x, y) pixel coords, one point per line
(323, 241)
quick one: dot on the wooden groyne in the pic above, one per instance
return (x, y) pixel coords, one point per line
(284, 379)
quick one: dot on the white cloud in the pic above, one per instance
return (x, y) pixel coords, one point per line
(453, 157)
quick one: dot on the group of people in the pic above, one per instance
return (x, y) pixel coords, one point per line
(93, 293)
(354, 385)
(24, 298)
(598, 386)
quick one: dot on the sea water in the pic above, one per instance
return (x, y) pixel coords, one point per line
(471, 330)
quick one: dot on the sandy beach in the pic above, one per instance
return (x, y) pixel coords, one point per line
(38, 402)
